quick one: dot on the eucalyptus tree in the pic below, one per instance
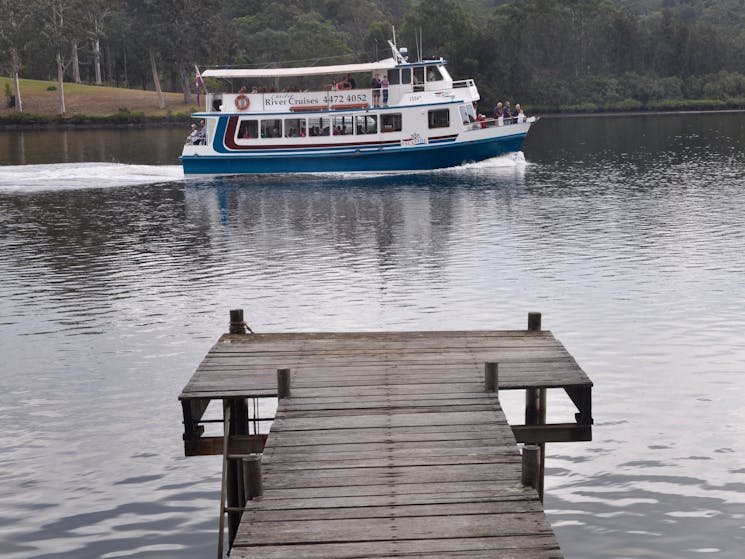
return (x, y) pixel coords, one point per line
(442, 28)
(194, 24)
(59, 27)
(151, 21)
(175, 33)
(290, 34)
(96, 14)
(16, 16)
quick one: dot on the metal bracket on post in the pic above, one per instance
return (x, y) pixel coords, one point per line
(253, 485)
(283, 383)
(491, 377)
(531, 466)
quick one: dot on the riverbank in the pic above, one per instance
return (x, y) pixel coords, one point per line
(634, 106)
(89, 106)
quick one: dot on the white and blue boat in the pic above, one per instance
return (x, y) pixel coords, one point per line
(421, 119)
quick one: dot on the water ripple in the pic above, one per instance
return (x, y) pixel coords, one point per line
(110, 296)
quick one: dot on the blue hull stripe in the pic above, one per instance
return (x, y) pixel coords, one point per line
(435, 155)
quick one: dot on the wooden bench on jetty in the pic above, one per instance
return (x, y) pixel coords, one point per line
(384, 444)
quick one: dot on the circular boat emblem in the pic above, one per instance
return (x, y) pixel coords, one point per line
(242, 102)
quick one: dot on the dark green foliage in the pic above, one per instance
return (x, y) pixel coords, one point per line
(10, 99)
(547, 54)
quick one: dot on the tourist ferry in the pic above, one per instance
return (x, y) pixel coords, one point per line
(420, 119)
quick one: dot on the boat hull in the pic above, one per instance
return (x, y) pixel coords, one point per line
(414, 158)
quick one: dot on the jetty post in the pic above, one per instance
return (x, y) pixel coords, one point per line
(535, 408)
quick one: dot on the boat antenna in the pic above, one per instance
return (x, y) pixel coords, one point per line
(393, 28)
(397, 56)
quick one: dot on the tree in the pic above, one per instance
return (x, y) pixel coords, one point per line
(16, 15)
(176, 33)
(445, 28)
(97, 12)
(151, 19)
(285, 33)
(54, 13)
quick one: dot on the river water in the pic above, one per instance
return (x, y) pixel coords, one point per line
(117, 274)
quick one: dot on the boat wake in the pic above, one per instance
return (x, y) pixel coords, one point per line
(503, 164)
(72, 176)
(76, 176)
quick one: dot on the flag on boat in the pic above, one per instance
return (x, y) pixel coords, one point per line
(198, 82)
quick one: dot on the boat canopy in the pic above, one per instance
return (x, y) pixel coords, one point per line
(230, 73)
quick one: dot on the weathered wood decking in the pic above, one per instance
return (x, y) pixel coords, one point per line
(389, 445)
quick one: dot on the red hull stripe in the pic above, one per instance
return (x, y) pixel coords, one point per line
(233, 126)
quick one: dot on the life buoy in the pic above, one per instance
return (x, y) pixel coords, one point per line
(242, 102)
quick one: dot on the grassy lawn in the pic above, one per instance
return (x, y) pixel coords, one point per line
(91, 100)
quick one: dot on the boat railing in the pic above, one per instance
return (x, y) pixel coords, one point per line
(480, 123)
(464, 83)
(325, 99)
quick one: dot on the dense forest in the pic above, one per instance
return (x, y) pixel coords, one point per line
(547, 54)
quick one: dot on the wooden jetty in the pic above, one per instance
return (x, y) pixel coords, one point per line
(384, 444)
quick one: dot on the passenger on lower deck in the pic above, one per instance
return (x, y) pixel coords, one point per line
(193, 136)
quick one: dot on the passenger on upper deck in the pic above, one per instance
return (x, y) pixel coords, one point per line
(375, 85)
(384, 86)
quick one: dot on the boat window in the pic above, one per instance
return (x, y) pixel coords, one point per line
(343, 126)
(367, 124)
(434, 74)
(295, 128)
(464, 115)
(271, 128)
(471, 112)
(439, 118)
(390, 122)
(419, 74)
(406, 75)
(248, 129)
(393, 77)
(319, 126)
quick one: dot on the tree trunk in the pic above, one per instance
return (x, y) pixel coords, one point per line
(156, 81)
(16, 63)
(60, 82)
(75, 62)
(185, 83)
(97, 60)
(124, 56)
